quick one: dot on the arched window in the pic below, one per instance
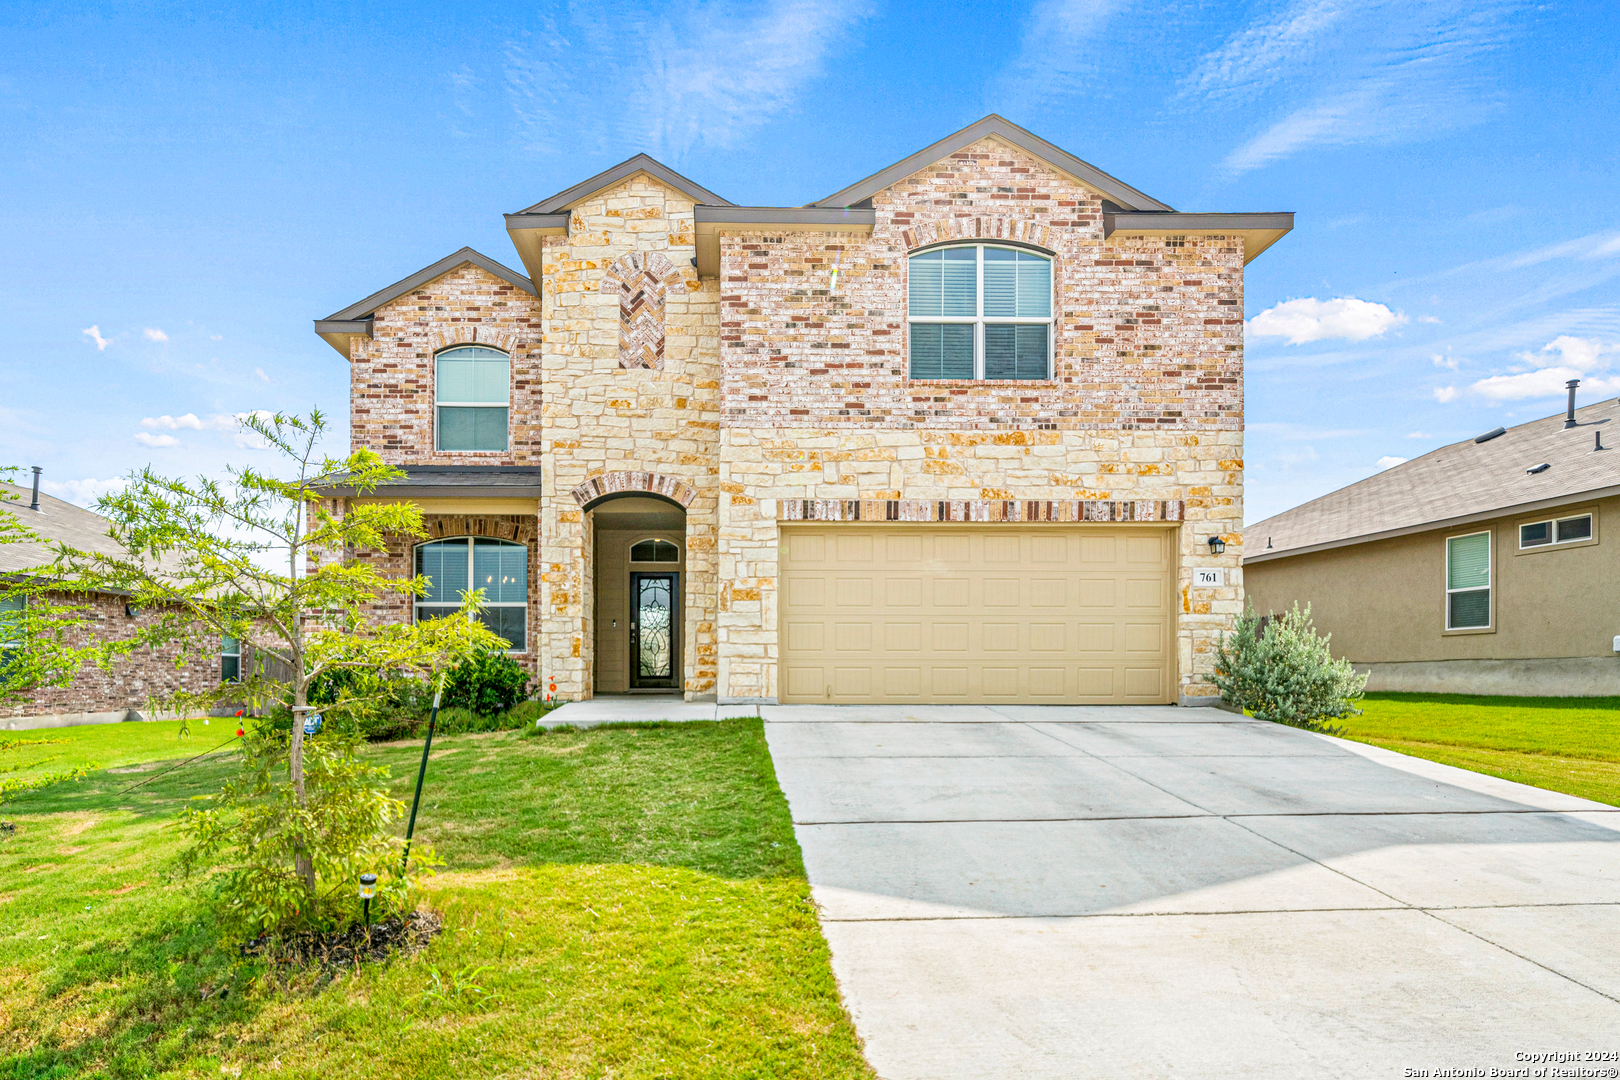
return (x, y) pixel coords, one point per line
(499, 567)
(980, 312)
(655, 551)
(472, 389)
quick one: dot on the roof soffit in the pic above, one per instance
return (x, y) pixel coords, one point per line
(1111, 187)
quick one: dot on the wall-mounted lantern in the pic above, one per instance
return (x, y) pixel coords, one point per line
(1216, 545)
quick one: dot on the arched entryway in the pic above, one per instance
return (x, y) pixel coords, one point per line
(639, 584)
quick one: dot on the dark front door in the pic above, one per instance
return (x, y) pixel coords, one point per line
(655, 630)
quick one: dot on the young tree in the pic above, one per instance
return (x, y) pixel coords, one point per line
(43, 637)
(266, 560)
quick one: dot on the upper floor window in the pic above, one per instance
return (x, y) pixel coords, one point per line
(1468, 582)
(1561, 531)
(499, 567)
(472, 393)
(980, 312)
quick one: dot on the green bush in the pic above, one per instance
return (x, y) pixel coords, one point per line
(488, 684)
(1286, 673)
(375, 707)
(245, 837)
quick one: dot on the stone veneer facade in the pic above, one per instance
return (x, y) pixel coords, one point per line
(783, 393)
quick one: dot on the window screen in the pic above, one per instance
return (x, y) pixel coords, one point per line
(980, 312)
(1468, 580)
(1575, 528)
(499, 567)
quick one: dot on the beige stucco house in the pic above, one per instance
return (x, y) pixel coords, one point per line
(961, 432)
(1484, 567)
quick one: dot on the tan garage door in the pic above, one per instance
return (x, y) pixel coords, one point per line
(967, 613)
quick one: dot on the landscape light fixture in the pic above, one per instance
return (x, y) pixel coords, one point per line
(1216, 545)
(368, 889)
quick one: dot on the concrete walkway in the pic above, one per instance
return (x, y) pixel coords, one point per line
(639, 709)
(1155, 892)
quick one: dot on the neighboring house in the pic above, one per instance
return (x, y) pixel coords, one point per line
(1482, 567)
(960, 432)
(94, 696)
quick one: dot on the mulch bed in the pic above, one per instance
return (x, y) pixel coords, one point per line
(346, 950)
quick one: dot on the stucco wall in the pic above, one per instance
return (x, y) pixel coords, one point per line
(1384, 602)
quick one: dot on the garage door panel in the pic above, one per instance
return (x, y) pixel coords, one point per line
(852, 636)
(968, 613)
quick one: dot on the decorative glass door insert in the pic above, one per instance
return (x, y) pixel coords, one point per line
(654, 630)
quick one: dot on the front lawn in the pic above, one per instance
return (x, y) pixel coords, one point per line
(1562, 744)
(29, 756)
(618, 902)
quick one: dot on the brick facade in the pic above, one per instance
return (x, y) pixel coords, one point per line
(781, 389)
(133, 681)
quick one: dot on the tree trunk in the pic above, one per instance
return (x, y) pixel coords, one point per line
(303, 865)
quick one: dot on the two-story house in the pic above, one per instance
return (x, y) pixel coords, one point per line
(969, 430)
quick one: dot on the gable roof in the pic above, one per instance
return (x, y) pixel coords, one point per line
(54, 520)
(356, 320)
(1114, 189)
(1465, 482)
(565, 199)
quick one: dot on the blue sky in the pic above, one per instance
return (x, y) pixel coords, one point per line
(185, 189)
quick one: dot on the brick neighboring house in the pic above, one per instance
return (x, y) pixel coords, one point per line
(94, 696)
(961, 432)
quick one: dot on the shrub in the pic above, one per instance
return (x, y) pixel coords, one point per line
(375, 707)
(488, 684)
(1286, 673)
(248, 834)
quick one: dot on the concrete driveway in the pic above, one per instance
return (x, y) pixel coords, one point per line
(1020, 892)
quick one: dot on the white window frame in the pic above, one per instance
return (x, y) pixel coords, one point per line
(1552, 532)
(224, 641)
(980, 320)
(1490, 583)
(471, 543)
(437, 404)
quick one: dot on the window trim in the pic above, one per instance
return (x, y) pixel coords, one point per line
(1490, 583)
(630, 552)
(980, 320)
(437, 404)
(1552, 521)
(468, 539)
(224, 654)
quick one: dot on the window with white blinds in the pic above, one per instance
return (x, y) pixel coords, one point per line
(499, 567)
(472, 392)
(1468, 582)
(980, 312)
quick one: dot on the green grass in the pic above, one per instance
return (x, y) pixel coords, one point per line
(30, 755)
(1562, 744)
(618, 903)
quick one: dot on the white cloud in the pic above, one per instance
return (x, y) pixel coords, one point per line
(94, 334)
(1356, 71)
(216, 337)
(1449, 362)
(1582, 354)
(1309, 319)
(1443, 394)
(259, 371)
(1418, 435)
(173, 423)
(152, 333)
(1428, 319)
(669, 78)
(146, 438)
(1388, 462)
(80, 492)
(192, 422)
(1543, 383)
